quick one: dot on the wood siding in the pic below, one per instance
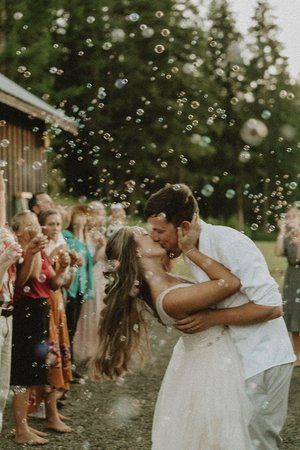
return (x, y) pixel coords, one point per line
(25, 148)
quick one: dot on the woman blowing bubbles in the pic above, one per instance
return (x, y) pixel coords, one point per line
(202, 402)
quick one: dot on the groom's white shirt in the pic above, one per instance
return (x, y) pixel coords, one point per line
(264, 345)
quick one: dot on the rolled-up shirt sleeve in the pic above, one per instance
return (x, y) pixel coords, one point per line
(246, 261)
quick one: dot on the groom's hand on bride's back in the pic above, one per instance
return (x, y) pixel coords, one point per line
(196, 322)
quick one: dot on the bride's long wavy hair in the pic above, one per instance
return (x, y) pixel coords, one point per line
(122, 327)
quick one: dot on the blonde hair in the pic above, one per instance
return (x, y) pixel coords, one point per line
(17, 219)
(122, 324)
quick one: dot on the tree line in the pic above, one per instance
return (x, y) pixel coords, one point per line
(162, 92)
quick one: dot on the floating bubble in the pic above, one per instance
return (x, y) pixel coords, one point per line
(159, 14)
(293, 185)
(253, 132)
(244, 156)
(148, 32)
(42, 278)
(3, 163)
(90, 19)
(140, 112)
(36, 165)
(4, 143)
(165, 32)
(207, 190)
(230, 193)
(159, 48)
(118, 35)
(107, 46)
(254, 226)
(195, 104)
(164, 164)
(134, 17)
(234, 101)
(26, 289)
(123, 338)
(18, 15)
(266, 114)
(125, 408)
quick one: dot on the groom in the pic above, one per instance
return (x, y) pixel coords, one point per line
(253, 315)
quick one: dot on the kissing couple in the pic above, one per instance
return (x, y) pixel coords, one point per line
(226, 386)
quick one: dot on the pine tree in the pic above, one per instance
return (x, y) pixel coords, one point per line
(224, 68)
(276, 157)
(131, 75)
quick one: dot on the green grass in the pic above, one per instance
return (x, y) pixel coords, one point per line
(277, 265)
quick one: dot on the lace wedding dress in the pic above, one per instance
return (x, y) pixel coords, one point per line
(202, 403)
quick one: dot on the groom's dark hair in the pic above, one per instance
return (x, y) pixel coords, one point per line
(175, 201)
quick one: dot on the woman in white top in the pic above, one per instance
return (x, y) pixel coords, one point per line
(202, 403)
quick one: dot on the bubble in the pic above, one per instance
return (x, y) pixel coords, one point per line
(107, 46)
(134, 17)
(123, 338)
(265, 405)
(26, 289)
(132, 162)
(159, 48)
(136, 328)
(253, 132)
(118, 35)
(140, 112)
(293, 185)
(195, 104)
(244, 156)
(159, 14)
(213, 43)
(207, 190)
(230, 193)
(254, 226)
(27, 74)
(165, 32)
(18, 15)
(266, 114)
(4, 143)
(36, 165)
(125, 408)
(148, 32)
(234, 101)
(164, 164)
(235, 68)
(90, 19)
(42, 278)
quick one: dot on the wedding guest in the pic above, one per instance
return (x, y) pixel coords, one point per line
(35, 279)
(59, 371)
(116, 218)
(87, 326)
(81, 289)
(288, 245)
(10, 253)
(39, 202)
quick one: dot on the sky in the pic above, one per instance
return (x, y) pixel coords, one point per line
(288, 19)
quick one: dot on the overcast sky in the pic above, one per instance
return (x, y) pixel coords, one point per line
(288, 19)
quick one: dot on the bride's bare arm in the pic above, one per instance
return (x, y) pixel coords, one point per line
(186, 300)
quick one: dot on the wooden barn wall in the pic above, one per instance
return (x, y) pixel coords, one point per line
(24, 152)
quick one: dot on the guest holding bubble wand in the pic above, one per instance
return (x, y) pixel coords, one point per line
(288, 245)
(10, 253)
(35, 280)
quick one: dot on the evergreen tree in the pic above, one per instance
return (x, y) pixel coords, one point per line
(276, 156)
(131, 72)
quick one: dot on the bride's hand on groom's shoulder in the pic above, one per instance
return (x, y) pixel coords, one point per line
(188, 234)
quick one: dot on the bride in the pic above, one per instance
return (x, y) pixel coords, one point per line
(202, 403)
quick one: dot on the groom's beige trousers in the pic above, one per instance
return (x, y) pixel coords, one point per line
(268, 392)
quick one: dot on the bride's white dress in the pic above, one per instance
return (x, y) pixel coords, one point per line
(202, 403)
